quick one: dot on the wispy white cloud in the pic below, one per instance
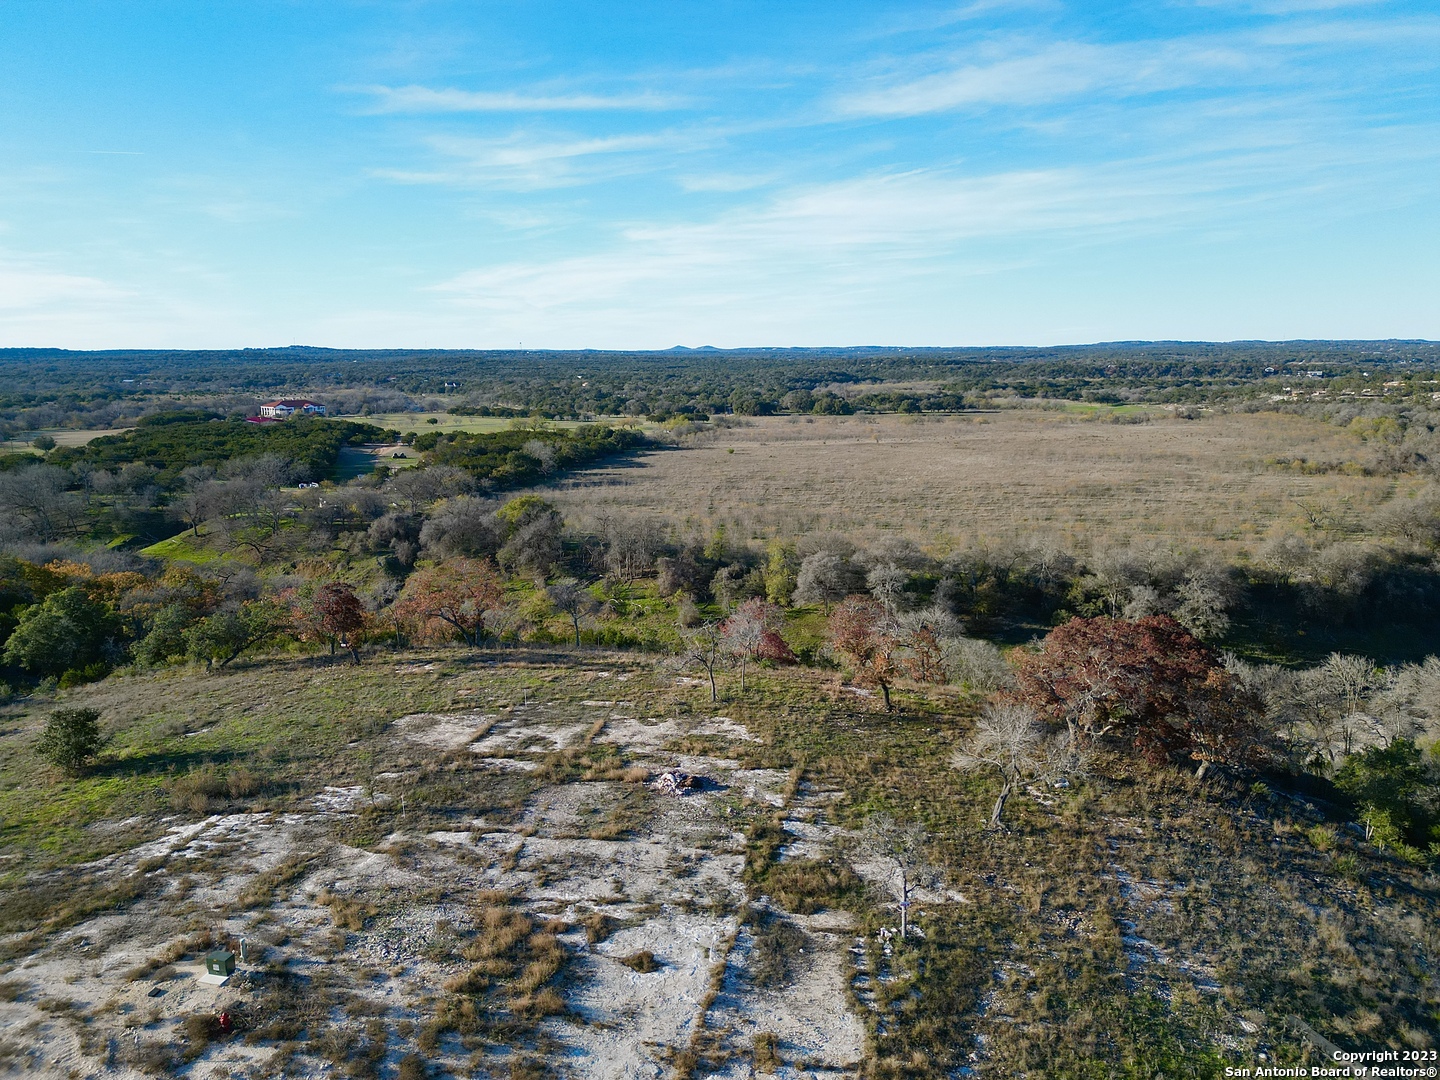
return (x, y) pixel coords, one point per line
(725, 181)
(1287, 7)
(1410, 34)
(828, 245)
(1048, 73)
(28, 287)
(523, 162)
(424, 99)
(923, 19)
(828, 237)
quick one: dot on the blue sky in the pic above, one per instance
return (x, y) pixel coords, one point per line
(645, 174)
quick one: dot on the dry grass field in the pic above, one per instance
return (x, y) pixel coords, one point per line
(1067, 476)
(62, 437)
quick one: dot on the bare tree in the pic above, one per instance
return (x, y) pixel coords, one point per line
(253, 516)
(1409, 702)
(630, 546)
(1203, 600)
(532, 542)
(1334, 699)
(543, 453)
(1414, 517)
(975, 664)
(904, 848)
(198, 499)
(36, 503)
(463, 525)
(1114, 575)
(824, 578)
(400, 532)
(1352, 677)
(417, 488)
(752, 633)
(886, 583)
(266, 470)
(703, 646)
(744, 634)
(572, 599)
(1011, 740)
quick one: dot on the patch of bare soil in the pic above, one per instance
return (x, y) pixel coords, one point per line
(642, 890)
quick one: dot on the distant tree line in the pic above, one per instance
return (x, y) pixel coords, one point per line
(54, 388)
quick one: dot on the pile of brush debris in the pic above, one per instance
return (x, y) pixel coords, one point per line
(676, 782)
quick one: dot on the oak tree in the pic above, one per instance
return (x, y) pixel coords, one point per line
(864, 635)
(337, 616)
(1148, 683)
(459, 593)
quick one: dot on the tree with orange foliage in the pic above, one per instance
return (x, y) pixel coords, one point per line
(863, 633)
(1149, 683)
(459, 593)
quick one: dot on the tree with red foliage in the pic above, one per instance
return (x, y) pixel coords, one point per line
(752, 633)
(334, 615)
(458, 593)
(1149, 683)
(865, 635)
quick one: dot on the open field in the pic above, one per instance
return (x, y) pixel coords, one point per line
(1023, 473)
(356, 461)
(62, 437)
(452, 861)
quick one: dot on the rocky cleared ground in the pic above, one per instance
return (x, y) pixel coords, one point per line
(365, 935)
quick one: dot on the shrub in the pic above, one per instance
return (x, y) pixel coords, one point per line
(1395, 791)
(598, 926)
(242, 782)
(200, 1029)
(195, 790)
(71, 739)
(778, 953)
(80, 676)
(348, 912)
(767, 1060)
(642, 961)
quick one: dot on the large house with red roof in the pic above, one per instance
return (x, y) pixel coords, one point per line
(288, 407)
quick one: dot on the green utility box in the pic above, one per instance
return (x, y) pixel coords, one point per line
(220, 962)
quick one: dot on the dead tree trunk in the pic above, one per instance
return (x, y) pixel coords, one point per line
(1005, 789)
(904, 904)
